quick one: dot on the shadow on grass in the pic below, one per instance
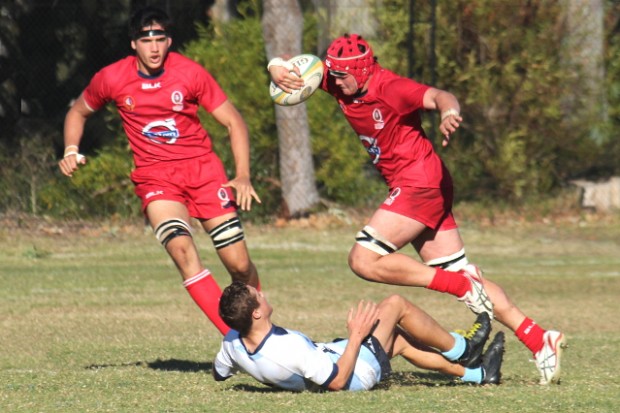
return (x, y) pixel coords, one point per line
(416, 378)
(185, 366)
(402, 378)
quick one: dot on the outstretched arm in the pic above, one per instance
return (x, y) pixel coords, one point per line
(447, 104)
(228, 116)
(73, 131)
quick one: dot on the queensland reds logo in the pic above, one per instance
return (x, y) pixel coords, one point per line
(377, 116)
(177, 101)
(390, 199)
(129, 103)
(373, 150)
(222, 194)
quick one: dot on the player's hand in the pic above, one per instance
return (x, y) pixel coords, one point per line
(448, 126)
(286, 80)
(362, 320)
(70, 163)
(244, 192)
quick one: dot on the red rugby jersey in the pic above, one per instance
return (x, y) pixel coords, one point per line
(159, 113)
(387, 122)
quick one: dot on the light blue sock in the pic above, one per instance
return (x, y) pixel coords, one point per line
(459, 348)
(473, 375)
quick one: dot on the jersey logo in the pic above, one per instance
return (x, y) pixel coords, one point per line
(390, 199)
(373, 150)
(162, 131)
(177, 101)
(129, 103)
(148, 86)
(377, 116)
(153, 193)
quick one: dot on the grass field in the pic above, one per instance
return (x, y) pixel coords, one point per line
(95, 319)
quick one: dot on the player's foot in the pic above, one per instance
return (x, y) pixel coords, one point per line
(475, 338)
(476, 298)
(492, 360)
(549, 356)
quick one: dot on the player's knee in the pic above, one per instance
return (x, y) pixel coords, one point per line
(182, 250)
(395, 301)
(361, 262)
(242, 271)
(369, 247)
(353, 261)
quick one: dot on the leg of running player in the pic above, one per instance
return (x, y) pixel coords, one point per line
(392, 267)
(171, 220)
(430, 246)
(181, 249)
(233, 251)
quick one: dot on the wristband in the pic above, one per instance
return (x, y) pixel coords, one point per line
(79, 156)
(449, 112)
(278, 61)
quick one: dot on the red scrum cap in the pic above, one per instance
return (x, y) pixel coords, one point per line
(351, 54)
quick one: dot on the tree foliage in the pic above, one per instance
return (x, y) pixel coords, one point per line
(501, 59)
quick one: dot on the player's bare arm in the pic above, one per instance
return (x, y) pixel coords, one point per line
(73, 131)
(228, 116)
(360, 323)
(449, 108)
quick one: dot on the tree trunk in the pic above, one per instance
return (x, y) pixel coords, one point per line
(349, 16)
(282, 29)
(584, 52)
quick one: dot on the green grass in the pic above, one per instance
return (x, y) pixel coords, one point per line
(96, 320)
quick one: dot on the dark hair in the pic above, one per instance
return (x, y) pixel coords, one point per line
(148, 16)
(237, 305)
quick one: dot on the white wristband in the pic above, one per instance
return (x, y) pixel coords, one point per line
(449, 112)
(278, 61)
(78, 156)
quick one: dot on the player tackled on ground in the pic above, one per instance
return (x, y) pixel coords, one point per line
(290, 360)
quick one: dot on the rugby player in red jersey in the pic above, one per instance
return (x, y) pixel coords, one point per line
(384, 111)
(177, 175)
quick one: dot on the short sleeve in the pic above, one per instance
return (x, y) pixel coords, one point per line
(209, 93)
(97, 93)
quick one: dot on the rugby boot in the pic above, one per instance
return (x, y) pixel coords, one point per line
(492, 360)
(475, 338)
(548, 358)
(476, 299)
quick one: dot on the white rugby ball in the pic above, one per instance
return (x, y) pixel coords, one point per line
(311, 68)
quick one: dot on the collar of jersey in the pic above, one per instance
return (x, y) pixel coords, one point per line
(155, 76)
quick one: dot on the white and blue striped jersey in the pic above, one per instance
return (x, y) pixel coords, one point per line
(290, 360)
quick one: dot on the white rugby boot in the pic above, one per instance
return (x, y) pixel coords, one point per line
(476, 299)
(548, 358)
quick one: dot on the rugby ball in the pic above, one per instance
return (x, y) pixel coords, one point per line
(311, 68)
